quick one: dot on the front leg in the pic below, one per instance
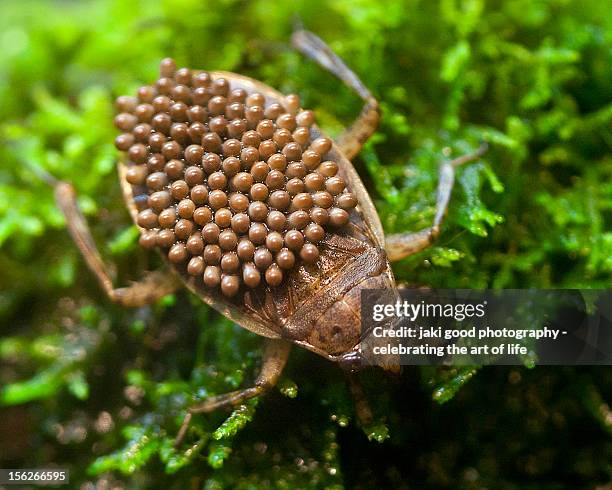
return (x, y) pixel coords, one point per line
(153, 286)
(276, 353)
(400, 245)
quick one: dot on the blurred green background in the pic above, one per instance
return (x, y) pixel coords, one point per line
(101, 390)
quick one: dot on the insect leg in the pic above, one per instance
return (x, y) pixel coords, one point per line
(400, 245)
(353, 138)
(362, 406)
(152, 287)
(276, 353)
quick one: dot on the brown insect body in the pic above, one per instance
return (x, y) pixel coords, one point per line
(318, 305)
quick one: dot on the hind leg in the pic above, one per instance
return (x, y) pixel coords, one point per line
(402, 245)
(276, 353)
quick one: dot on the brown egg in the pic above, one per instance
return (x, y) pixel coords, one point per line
(147, 219)
(183, 229)
(278, 161)
(183, 76)
(275, 180)
(230, 262)
(274, 276)
(323, 199)
(156, 163)
(285, 259)
(220, 86)
(335, 185)
(281, 137)
(181, 93)
(156, 142)
(293, 152)
(179, 189)
(160, 200)
(294, 240)
(309, 253)
(201, 79)
(180, 133)
(211, 162)
(237, 95)
(167, 218)
(248, 156)
(303, 200)
(267, 148)
(162, 122)
(311, 159)
(238, 202)
(251, 138)
(314, 182)
(259, 192)
(328, 168)
(305, 118)
(242, 182)
(216, 105)
(136, 174)
(231, 148)
(250, 275)
(197, 113)
(202, 216)
(258, 233)
(346, 201)
(196, 131)
(276, 220)
(201, 96)
(193, 154)
(265, 128)
(240, 223)
(212, 276)
(164, 85)
(174, 169)
(195, 267)
(292, 103)
(194, 176)
(230, 285)
(273, 111)
(217, 180)
(217, 199)
(274, 241)
(172, 149)
(231, 166)
(260, 171)
(178, 253)
(301, 136)
(161, 103)
(210, 233)
(321, 145)
(245, 249)
(167, 67)
(314, 232)
(223, 217)
(295, 186)
(253, 115)
(212, 254)
(234, 110)
(228, 240)
(262, 258)
(195, 244)
(199, 194)
(279, 200)
(211, 142)
(157, 181)
(144, 112)
(255, 99)
(138, 153)
(338, 217)
(165, 238)
(296, 170)
(258, 211)
(125, 103)
(148, 239)
(178, 111)
(218, 125)
(298, 219)
(286, 121)
(124, 141)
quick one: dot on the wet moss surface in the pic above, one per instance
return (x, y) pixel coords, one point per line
(102, 390)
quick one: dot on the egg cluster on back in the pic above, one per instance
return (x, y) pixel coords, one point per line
(235, 189)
